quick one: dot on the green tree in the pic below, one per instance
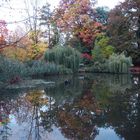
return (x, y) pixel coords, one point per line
(45, 21)
(102, 49)
(102, 14)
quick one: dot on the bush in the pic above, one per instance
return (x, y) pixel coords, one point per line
(11, 68)
(37, 67)
(66, 56)
(64, 70)
(49, 68)
(97, 55)
(14, 70)
(86, 58)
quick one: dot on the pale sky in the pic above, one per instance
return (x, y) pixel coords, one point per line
(110, 3)
(14, 10)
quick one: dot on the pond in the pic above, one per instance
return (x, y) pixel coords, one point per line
(82, 107)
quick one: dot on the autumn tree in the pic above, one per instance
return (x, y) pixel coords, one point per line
(3, 32)
(21, 47)
(76, 18)
(37, 48)
(124, 28)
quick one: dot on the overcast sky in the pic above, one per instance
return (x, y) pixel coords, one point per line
(109, 3)
(14, 10)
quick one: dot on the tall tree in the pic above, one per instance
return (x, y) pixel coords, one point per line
(77, 18)
(50, 30)
(32, 24)
(102, 14)
(124, 27)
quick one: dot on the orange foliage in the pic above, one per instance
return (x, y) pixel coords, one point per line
(77, 17)
(2, 40)
(15, 53)
(3, 31)
(24, 49)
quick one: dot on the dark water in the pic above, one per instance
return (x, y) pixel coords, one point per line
(93, 107)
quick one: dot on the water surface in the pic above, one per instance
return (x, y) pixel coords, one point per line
(89, 107)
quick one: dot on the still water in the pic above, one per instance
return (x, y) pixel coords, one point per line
(89, 107)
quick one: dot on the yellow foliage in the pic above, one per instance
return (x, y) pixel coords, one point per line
(28, 53)
(37, 97)
(36, 51)
(15, 53)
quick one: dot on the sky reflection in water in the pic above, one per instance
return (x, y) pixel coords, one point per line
(98, 107)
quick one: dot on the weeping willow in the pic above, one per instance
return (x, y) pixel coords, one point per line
(119, 63)
(66, 56)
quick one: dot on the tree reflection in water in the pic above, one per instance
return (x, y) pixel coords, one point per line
(124, 115)
(26, 109)
(77, 119)
(77, 111)
(4, 119)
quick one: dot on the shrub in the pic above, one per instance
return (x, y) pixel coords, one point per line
(64, 70)
(97, 54)
(11, 68)
(58, 61)
(37, 67)
(86, 58)
(49, 68)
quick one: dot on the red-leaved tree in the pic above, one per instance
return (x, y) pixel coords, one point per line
(77, 17)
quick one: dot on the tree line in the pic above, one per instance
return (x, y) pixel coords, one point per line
(81, 25)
